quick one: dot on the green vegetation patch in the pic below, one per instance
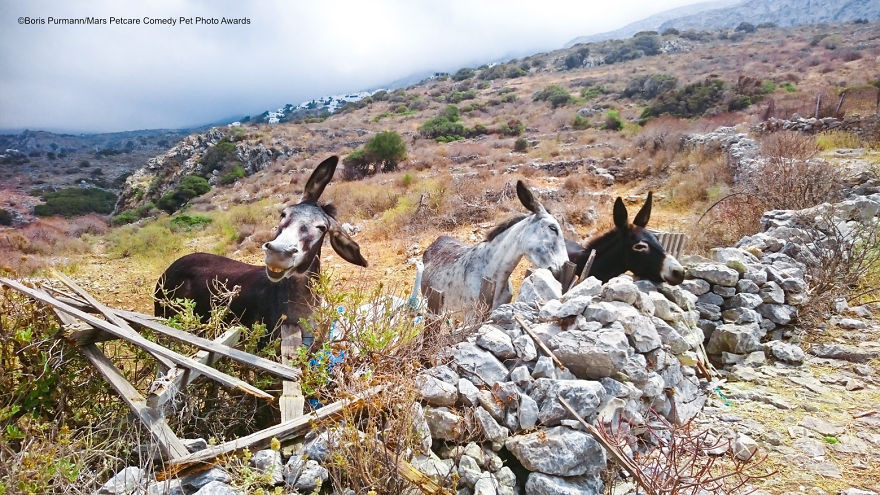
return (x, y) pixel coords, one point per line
(74, 201)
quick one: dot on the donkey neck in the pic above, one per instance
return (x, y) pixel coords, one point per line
(609, 260)
(503, 253)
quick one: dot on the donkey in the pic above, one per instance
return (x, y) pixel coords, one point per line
(628, 247)
(457, 269)
(280, 291)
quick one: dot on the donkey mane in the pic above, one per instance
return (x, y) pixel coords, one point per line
(501, 227)
(599, 241)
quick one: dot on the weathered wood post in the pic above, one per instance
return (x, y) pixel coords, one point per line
(487, 297)
(566, 276)
(291, 402)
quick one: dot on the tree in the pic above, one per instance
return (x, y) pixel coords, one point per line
(387, 148)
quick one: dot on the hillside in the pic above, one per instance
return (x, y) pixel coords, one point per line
(781, 13)
(761, 147)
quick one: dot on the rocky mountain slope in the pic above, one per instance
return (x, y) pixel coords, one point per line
(781, 13)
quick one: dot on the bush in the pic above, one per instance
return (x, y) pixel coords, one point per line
(386, 149)
(556, 95)
(218, 155)
(5, 217)
(612, 121)
(459, 96)
(462, 74)
(233, 175)
(190, 187)
(188, 222)
(513, 127)
(745, 27)
(444, 126)
(580, 123)
(691, 101)
(650, 86)
(75, 201)
(521, 145)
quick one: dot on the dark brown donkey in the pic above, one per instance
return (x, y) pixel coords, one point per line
(280, 290)
(628, 247)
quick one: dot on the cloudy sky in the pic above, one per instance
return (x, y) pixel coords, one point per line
(100, 78)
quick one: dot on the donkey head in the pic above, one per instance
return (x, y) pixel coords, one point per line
(542, 241)
(303, 227)
(642, 253)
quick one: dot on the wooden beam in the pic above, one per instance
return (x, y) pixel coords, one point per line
(292, 402)
(280, 370)
(168, 443)
(566, 276)
(177, 378)
(104, 310)
(138, 340)
(413, 475)
(587, 266)
(283, 431)
(540, 343)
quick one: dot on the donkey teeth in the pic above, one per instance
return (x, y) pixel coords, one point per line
(273, 270)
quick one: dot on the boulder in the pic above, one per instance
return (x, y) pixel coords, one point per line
(305, 475)
(268, 462)
(558, 451)
(478, 365)
(435, 392)
(592, 355)
(714, 273)
(540, 286)
(124, 482)
(543, 484)
(496, 341)
(738, 339)
(445, 424)
(583, 395)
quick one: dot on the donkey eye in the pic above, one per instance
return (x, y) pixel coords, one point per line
(641, 247)
(283, 213)
(322, 228)
(554, 229)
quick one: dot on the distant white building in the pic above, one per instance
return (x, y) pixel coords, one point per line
(234, 124)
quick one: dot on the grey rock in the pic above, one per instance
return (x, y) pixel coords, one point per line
(747, 286)
(485, 485)
(781, 314)
(493, 431)
(687, 401)
(570, 307)
(772, 293)
(444, 424)
(591, 287)
(506, 479)
(490, 404)
(217, 488)
(520, 375)
(726, 254)
(198, 480)
(166, 487)
(744, 300)
(723, 291)
(738, 339)
(757, 358)
(542, 484)
(810, 446)
(525, 348)
(478, 365)
(741, 316)
(436, 392)
(641, 332)
(696, 286)
(544, 368)
(420, 427)
(709, 311)
(621, 289)
(558, 451)
(527, 412)
(603, 312)
(857, 491)
(744, 447)
(540, 286)
(583, 395)
(682, 298)
(469, 393)
(844, 352)
(670, 337)
(852, 324)
(494, 340)
(434, 467)
(469, 471)
(306, 475)
(592, 355)
(822, 427)
(714, 274)
(195, 444)
(784, 352)
(710, 298)
(443, 373)
(268, 461)
(665, 309)
(124, 482)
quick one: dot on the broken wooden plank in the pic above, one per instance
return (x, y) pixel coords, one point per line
(487, 297)
(413, 475)
(283, 431)
(435, 300)
(540, 343)
(177, 379)
(292, 402)
(283, 371)
(104, 310)
(566, 276)
(169, 445)
(587, 267)
(138, 340)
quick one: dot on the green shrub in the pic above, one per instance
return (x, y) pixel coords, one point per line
(692, 100)
(233, 175)
(218, 155)
(188, 222)
(745, 27)
(75, 201)
(580, 123)
(5, 217)
(463, 74)
(459, 96)
(513, 127)
(556, 95)
(190, 187)
(612, 121)
(592, 92)
(649, 86)
(444, 127)
(386, 149)
(739, 102)
(789, 86)
(768, 87)
(520, 145)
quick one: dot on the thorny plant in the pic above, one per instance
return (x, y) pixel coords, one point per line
(683, 460)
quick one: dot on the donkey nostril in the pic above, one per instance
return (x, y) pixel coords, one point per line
(291, 251)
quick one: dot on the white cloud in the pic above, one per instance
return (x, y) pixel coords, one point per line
(102, 78)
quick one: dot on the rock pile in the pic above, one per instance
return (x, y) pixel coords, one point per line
(798, 123)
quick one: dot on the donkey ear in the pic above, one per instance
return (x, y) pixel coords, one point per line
(528, 199)
(346, 247)
(620, 214)
(319, 179)
(645, 213)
